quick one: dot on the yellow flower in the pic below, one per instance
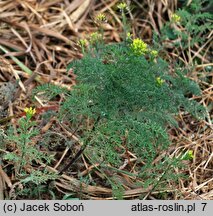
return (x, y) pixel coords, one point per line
(139, 47)
(175, 18)
(190, 154)
(82, 42)
(30, 111)
(95, 37)
(100, 18)
(160, 81)
(154, 53)
(122, 6)
(128, 36)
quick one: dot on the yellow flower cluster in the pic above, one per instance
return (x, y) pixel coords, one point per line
(190, 154)
(154, 53)
(175, 18)
(128, 36)
(122, 6)
(160, 81)
(95, 37)
(30, 111)
(82, 42)
(100, 18)
(139, 47)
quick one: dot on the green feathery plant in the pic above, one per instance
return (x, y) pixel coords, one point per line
(27, 154)
(189, 28)
(126, 98)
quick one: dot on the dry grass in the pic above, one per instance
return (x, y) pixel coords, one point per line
(42, 36)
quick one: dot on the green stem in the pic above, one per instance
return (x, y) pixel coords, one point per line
(23, 144)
